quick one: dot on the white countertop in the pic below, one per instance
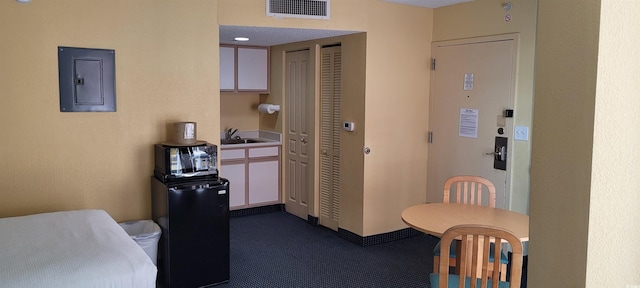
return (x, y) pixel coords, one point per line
(267, 138)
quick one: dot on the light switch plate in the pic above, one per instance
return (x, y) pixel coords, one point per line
(521, 133)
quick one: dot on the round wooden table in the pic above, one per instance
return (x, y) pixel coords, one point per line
(435, 218)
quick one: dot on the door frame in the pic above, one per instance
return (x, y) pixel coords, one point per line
(511, 101)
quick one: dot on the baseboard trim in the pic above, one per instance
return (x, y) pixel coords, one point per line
(378, 238)
(256, 210)
(313, 220)
(343, 233)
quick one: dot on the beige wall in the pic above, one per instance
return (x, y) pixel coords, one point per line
(104, 160)
(562, 149)
(239, 111)
(376, 187)
(165, 62)
(352, 159)
(353, 79)
(345, 15)
(161, 78)
(581, 193)
(483, 18)
(584, 171)
(614, 211)
(396, 105)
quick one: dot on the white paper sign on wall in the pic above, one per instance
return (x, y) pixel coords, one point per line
(468, 81)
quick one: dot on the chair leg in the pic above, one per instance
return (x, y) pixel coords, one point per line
(436, 264)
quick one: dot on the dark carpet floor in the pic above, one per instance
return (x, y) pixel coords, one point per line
(281, 250)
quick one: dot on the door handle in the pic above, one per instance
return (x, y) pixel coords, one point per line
(324, 152)
(499, 153)
(304, 140)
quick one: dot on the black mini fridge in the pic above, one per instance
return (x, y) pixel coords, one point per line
(194, 245)
(191, 206)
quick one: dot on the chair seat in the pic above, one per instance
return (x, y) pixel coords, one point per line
(454, 281)
(452, 252)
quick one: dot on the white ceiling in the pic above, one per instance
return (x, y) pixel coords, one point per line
(270, 36)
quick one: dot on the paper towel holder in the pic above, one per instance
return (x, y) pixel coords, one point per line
(268, 108)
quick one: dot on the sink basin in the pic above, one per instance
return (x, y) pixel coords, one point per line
(239, 141)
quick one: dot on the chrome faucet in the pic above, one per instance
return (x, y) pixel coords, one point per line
(229, 133)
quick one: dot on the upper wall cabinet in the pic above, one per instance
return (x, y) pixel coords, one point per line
(227, 68)
(244, 69)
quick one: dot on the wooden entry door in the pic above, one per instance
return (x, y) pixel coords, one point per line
(298, 136)
(472, 85)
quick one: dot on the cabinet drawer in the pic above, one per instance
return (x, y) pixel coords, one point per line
(232, 154)
(263, 152)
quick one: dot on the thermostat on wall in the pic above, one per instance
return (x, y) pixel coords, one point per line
(348, 126)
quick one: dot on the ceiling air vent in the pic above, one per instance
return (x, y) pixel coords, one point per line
(308, 9)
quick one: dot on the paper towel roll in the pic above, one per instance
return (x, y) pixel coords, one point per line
(268, 108)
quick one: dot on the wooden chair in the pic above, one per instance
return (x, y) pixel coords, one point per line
(470, 190)
(475, 240)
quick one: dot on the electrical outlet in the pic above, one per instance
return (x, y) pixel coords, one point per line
(521, 133)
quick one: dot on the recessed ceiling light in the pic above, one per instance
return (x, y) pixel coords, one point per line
(24, 1)
(241, 39)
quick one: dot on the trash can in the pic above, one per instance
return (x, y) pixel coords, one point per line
(146, 233)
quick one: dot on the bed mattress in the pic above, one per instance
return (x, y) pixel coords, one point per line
(82, 248)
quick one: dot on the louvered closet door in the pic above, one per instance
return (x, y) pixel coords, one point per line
(330, 128)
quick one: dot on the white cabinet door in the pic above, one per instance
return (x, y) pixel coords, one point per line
(253, 69)
(264, 181)
(237, 183)
(227, 68)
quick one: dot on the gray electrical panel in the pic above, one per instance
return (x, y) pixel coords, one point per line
(87, 79)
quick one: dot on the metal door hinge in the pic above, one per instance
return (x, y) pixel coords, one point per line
(430, 137)
(433, 63)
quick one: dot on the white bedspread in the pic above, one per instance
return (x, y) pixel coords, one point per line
(84, 248)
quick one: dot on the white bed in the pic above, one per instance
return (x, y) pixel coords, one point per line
(83, 248)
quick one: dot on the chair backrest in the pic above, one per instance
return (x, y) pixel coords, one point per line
(476, 237)
(470, 190)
